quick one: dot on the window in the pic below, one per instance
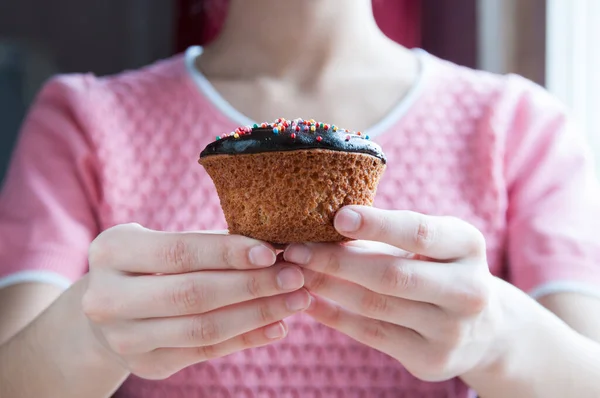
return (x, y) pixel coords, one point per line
(573, 62)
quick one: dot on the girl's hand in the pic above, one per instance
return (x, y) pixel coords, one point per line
(427, 300)
(160, 301)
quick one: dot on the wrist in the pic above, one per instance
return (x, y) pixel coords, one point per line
(79, 342)
(58, 355)
(530, 340)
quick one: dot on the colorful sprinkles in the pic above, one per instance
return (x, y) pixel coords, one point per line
(292, 127)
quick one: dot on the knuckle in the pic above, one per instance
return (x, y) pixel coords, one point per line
(209, 352)
(151, 370)
(315, 280)
(178, 256)
(439, 362)
(396, 277)
(265, 313)
(102, 249)
(119, 342)
(203, 330)
(453, 335)
(88, 304)
(209, 330)
(382, 226)
(191, 295)
(334, 316)
(424, 234)
(253, 287)
(375, 304)
(431, 373)
(333, 264)
(228, 252)
(97, 253)
(421, 372)
(478, 243)
(127, 228)
(433, 366)
(373, 333)
(247, 340)
(97, 309)
(475, 299)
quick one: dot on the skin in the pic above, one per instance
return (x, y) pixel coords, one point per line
(155, 302)
(333, 64)
(419, 289)
(216, 294)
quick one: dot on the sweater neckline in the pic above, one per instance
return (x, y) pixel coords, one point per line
(398, 111)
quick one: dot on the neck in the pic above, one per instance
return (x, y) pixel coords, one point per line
(277, 37)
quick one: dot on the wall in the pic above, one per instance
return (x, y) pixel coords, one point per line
(100, 36)
(449, 30)
(512, 37)
(39, 38)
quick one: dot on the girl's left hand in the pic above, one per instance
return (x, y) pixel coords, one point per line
(427, 300)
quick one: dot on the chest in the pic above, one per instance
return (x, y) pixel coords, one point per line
(436, 165)
(350, 102)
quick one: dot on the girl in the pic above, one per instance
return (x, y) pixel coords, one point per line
(488, 194)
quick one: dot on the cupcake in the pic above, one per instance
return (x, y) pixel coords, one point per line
(283, 182)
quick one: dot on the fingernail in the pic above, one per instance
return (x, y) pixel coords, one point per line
(275, 331)
(290, 278)
(298, 301)
(347, 220)
(298, 254)
(262, 256)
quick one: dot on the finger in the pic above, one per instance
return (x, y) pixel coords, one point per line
(394, 340)
(441, 238)
(421, 317)
(435, 283)
(200, 292)
(134, 249)
(205, 329)
(379, 247)
(163, 362)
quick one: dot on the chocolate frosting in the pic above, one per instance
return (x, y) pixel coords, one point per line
(277, 137)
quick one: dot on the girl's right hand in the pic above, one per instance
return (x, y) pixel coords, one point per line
(160, 301)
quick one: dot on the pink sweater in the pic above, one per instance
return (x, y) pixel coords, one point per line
(496, 151)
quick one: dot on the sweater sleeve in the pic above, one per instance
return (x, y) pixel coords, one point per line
(554, 199)
(49, 196)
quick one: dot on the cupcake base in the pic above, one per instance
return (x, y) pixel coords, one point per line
(292, 196)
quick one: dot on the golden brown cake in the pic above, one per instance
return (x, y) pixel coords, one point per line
(283, 182)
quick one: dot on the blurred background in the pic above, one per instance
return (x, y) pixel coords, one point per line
(551, 42)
